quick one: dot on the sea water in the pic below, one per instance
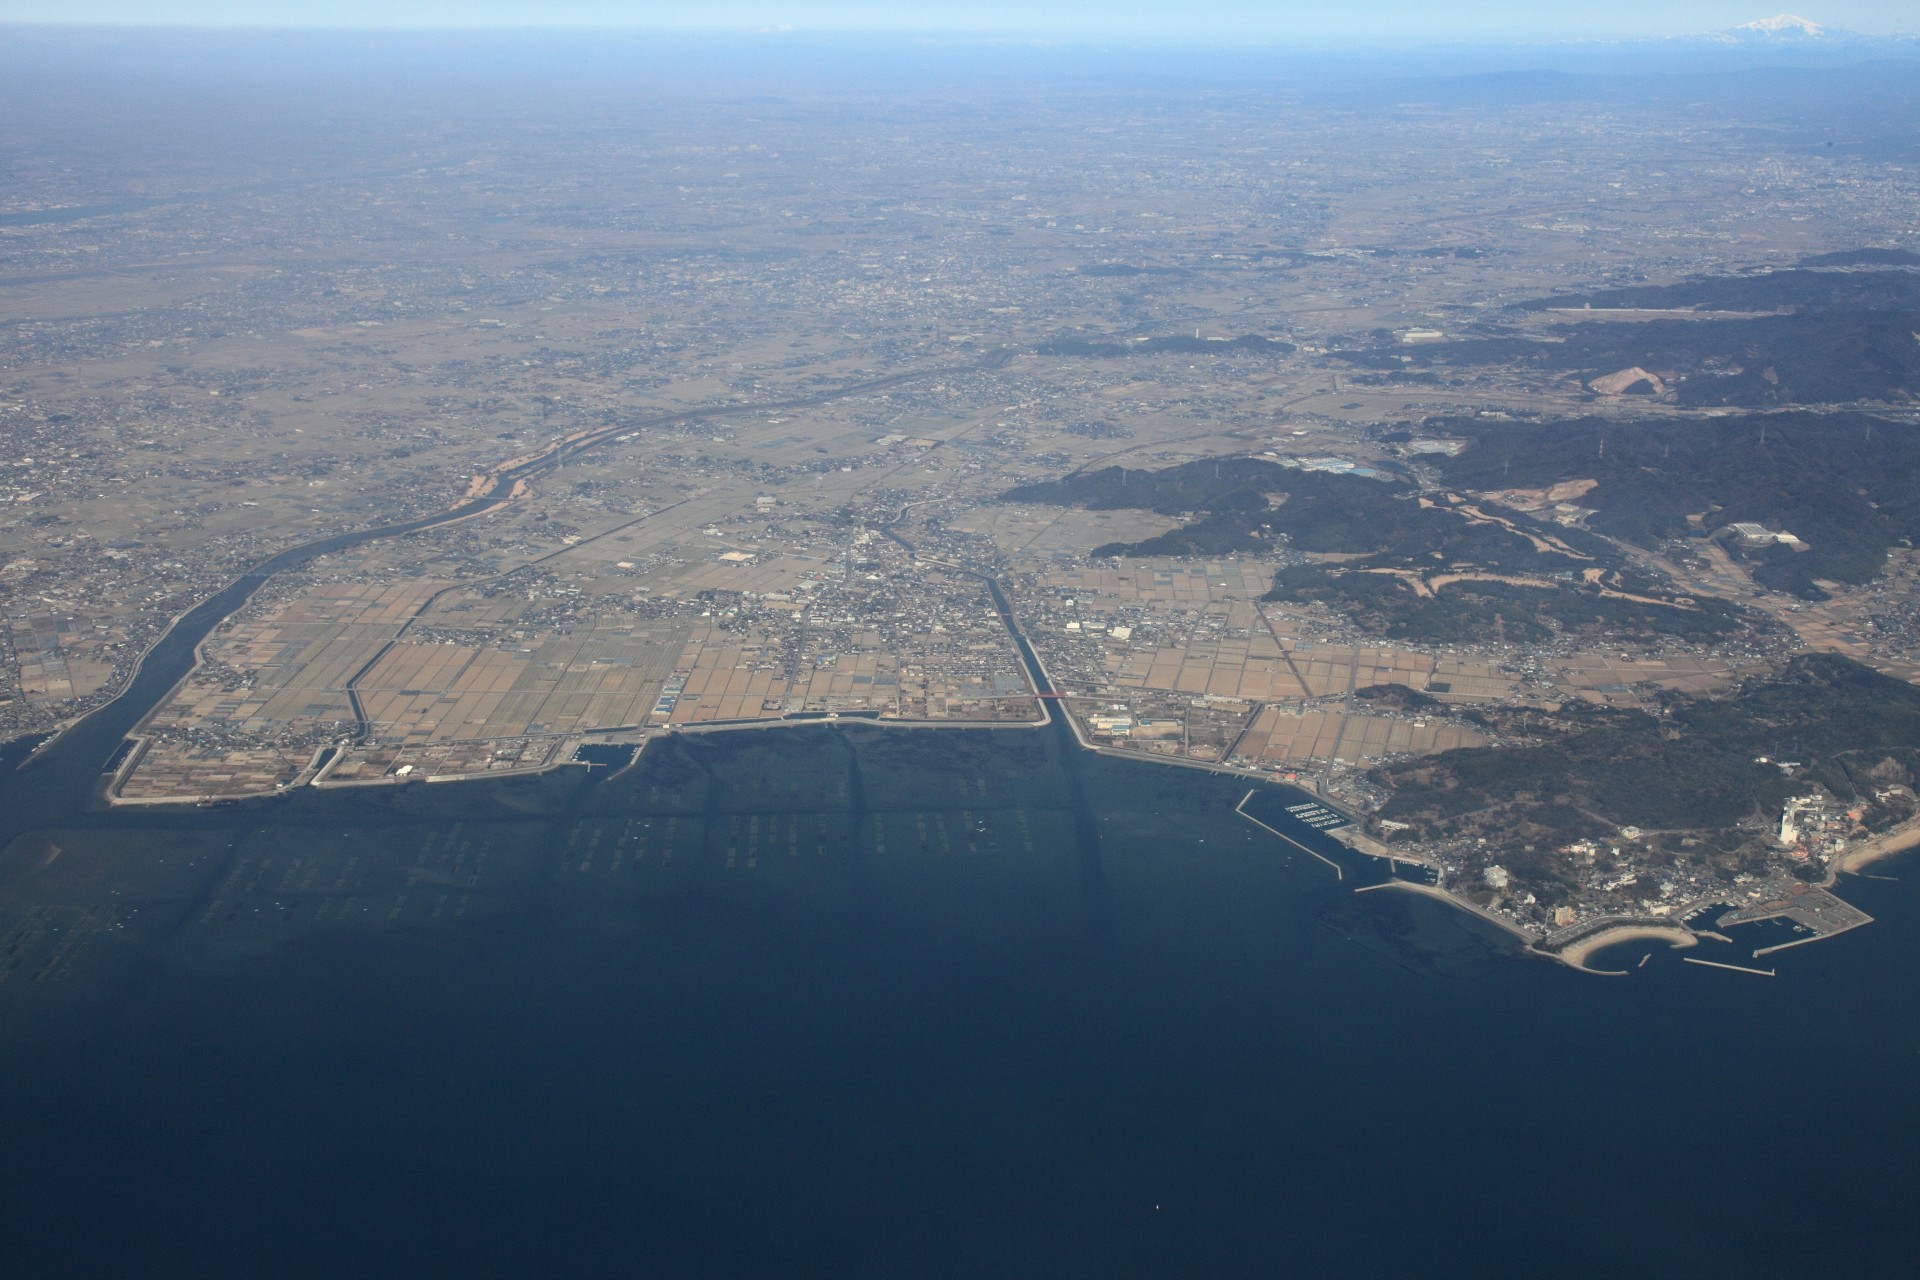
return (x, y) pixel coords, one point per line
(856, 1002)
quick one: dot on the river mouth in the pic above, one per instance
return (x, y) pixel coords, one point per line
(65, 769)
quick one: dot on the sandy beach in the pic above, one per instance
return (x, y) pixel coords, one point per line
(1899, 840)
(1576, 955)
(1451, 900)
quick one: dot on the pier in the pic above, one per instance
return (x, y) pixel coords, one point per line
(1735, 968)
(1818, 912)
(1241, 809)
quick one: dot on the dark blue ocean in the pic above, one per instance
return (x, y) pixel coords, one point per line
(850, 1002)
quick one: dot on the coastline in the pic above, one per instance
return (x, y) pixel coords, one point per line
(1577, 954)
(1472, 909)
(508, 483)
(1888, 844)
(1043, 692)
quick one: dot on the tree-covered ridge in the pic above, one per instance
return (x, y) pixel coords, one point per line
(1818, 358)
(1246, 344)
(1708, 771)
(1823, 337)
(1444, 571)
(1206, 485)
(1466, 573)
(1476, 610)
(1864, 258)
(1847, 485)
(1796, 288)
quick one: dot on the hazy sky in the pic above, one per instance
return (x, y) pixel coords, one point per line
(1265, 20)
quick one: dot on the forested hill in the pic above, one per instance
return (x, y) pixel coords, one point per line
(1247, 344)
(1846, 484)
(1795, 288)
(1864, 258)
(1206, 485)
(1233, 502)
(1797, 336)
(1700, 770)
(1429, 569)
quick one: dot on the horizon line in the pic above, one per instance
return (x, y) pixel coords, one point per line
(1059, 38)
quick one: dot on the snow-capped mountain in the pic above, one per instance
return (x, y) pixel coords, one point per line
(1789, 32)
(1785, 26)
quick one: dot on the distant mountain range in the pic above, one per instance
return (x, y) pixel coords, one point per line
(1791, 31)
(1780, 47)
